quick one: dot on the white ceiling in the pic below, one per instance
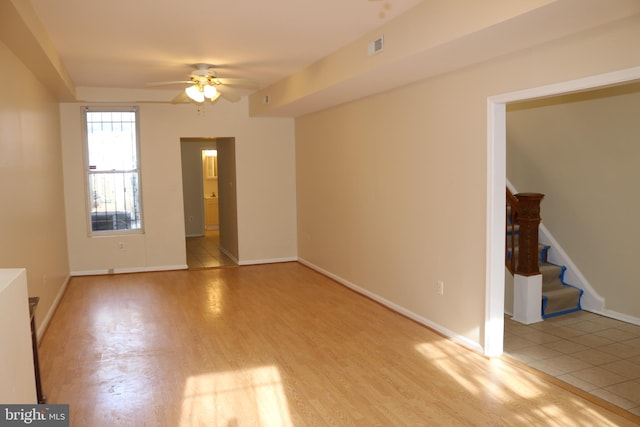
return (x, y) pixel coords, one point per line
(128, 44)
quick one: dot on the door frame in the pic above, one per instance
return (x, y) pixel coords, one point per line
(496, 183)
(198, 144)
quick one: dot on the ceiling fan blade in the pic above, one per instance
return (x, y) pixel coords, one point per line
(177, 82)
(243, 83)
(214, 99)
(181, 98)
(228, 95)
(231, 89)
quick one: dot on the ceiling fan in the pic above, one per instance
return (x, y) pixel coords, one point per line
(205, 86)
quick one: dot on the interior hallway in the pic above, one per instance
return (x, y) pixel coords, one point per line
(276, 344)
(596, 354)
(204, 252)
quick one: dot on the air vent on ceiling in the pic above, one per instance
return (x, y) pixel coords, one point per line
(376, 46)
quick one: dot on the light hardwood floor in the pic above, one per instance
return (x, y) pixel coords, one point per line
(204, 251)
(276, 345)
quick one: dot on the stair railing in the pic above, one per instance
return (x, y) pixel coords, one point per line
(513, 211)
(523, 214)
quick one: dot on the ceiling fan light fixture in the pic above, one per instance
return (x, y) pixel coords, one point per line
(210, 92)
(195, 93)
(214, 97)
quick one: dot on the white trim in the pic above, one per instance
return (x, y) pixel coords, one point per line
(228, 254)
(267, 261)
(462, 340)
(47, 318)
(586, 83)
(527, 299)
(618, 316)
(88, 273)
(150, 269)
(496, 199)
(496, 150)
(129, 270)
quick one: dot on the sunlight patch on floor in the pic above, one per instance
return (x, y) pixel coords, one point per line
(215, 298)
(505, 384)
(494, 380)
(243, 397)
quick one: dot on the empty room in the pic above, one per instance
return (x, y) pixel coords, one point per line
(243, 214)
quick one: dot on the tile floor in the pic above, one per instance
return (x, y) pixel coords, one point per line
(597, 354)
(203, 252)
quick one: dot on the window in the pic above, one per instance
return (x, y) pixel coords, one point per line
(113, 170)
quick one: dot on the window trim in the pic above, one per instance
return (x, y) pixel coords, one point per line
(87, 171)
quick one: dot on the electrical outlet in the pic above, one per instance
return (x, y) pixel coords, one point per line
(440, 287)
(120, 245)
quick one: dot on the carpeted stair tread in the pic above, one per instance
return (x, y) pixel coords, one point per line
(550, 276)
(552, 285)
(561, 300)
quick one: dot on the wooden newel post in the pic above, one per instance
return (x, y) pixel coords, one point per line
(529, 220)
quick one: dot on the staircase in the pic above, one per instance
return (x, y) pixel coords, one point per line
(558, 297)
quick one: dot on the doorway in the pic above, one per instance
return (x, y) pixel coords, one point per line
(496, 182)
(209, 202)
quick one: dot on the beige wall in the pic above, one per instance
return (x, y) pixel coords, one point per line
(582, 152)
(32, 216)
(265, 180)
(392, 189)
(228, 204)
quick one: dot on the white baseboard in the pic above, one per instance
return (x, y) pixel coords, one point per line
(267, 261)
(47, 318)
(150, 269)
(129, 270)
(228, 254)
(462, 340)
(618, 316)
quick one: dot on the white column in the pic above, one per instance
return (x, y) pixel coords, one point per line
(527, 298)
